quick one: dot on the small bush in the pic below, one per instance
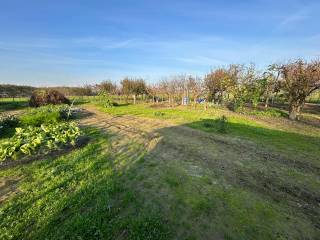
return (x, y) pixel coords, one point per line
(270, 112)
(8, 121)
(159, 114)
(7, 125)
(45, 97)
(105, 100)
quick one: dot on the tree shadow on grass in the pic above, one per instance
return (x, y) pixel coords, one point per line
(9, 106)
(292, 144)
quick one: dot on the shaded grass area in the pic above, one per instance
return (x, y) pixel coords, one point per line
(275, 133)
(286, 142)
(13, 105)
(76, 196)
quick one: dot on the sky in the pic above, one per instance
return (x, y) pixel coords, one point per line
(76, 42)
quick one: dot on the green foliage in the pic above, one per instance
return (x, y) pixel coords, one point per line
(46, 115)
(8, 121)
(133, 86)
(39, 117)
(78, 195)
(159, 114)
(34, 139)
(7, 125)
(105, 100)
(269, 112)
(17, 104)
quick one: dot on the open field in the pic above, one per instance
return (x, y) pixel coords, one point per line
(152, 172)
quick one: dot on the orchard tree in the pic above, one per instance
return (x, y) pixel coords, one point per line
(108, 87)
(270, 83)
(216, 83)
(300, 79)
(196, 87)
(134, 87)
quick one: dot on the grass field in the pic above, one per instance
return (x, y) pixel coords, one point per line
(152, 172)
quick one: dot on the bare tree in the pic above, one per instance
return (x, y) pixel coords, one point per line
(196, 87)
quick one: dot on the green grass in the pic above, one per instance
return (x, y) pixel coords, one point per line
(275, 133)
(83, 195)
(8, 104)
(96, 193)
(76, 196)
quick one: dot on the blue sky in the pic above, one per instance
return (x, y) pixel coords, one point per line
(49, 43)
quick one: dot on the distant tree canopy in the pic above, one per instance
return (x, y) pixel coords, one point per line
(74, 91)
(8, 90)
(108, 87)
(131, 86)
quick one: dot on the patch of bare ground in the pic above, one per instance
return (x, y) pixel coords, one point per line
(232, 161)
(8, 186)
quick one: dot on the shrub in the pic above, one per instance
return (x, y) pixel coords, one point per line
(159, 114)
(45, 97)
(39, 139)
(8, 121)
(270, 112)
(105, 100)
(7, 125)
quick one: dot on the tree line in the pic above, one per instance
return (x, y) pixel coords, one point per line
(235, 85)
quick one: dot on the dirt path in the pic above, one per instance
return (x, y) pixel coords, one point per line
(234, 162)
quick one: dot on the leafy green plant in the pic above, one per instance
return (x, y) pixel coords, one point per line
(159, 114)
(39, 139)
(105, 100)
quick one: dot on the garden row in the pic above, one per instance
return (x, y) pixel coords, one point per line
(38, 130)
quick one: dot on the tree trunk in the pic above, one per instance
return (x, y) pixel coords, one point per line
(294, 111)
(134, 99)
(266, 104)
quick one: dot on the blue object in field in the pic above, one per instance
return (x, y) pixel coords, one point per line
(201, 100)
